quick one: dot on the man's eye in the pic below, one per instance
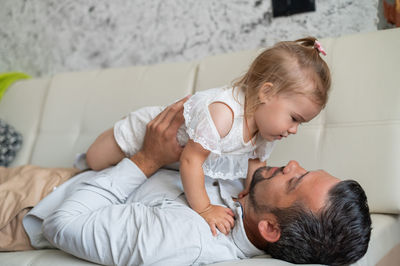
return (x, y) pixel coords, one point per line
(291, 183)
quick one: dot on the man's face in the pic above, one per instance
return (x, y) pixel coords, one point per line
(281, 187)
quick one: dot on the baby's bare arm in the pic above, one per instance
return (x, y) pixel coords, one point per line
(192, 159)
(104, 151)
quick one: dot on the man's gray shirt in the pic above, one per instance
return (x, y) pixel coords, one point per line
(118, 216)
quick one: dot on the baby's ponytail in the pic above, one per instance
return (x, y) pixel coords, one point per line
(307, 42)
(311, 42)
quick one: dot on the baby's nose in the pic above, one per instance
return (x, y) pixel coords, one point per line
(293, 129)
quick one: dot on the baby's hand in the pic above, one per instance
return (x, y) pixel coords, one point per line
(219, 217)
(243, 193)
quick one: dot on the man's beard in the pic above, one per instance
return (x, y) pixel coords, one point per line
(257, 178)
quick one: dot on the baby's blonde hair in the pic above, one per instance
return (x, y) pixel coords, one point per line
(290, 66)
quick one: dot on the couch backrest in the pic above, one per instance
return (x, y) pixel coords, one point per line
(356, 136)
(71, 109)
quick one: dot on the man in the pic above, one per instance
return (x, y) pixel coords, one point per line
(134, 213)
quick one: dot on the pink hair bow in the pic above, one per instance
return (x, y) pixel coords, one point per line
(318, 46)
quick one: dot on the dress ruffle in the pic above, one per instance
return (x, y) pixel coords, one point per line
(199, 124)
(230, 167)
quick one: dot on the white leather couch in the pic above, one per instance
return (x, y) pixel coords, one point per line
(356, 136)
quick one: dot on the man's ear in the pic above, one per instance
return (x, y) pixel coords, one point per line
(264, 92)
(269, 229)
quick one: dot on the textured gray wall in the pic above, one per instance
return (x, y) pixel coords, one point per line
(42, 37)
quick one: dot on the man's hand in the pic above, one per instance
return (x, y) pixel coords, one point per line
(160, 146)
(218, 217)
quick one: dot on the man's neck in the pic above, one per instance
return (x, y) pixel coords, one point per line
(250, 224)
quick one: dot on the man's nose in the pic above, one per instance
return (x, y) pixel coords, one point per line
(292, 166)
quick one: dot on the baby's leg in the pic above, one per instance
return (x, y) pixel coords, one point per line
(129, 132)
(104, 152)
(123, 140)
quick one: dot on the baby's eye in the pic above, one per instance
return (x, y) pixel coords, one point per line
(294, 119)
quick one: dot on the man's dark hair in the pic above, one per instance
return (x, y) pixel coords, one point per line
(338, 234)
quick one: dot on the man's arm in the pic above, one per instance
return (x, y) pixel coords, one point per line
(94, 223)
(160, 146)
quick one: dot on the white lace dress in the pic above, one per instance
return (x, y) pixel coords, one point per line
(228, 158)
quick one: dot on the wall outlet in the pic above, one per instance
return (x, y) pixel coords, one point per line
(290, 7)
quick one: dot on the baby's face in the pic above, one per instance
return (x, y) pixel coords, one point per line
(280, 115)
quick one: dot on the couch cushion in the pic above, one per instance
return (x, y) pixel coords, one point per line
(362, 128)
(49, 257)
(80, 106)
(22, 107)
(385, 235)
